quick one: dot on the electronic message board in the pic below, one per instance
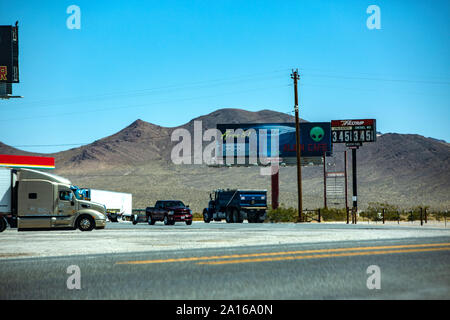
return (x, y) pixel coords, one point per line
(9, 54)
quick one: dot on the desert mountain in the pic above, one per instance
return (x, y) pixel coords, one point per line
(402, 169)
(142, 141)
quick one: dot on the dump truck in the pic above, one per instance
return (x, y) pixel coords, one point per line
(236, 205)
(34, 200)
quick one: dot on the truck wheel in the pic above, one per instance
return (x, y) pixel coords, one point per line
(85, 223)
(237, 216)
(261, 218)
(2, 224)
(206, 217)
(151, 221)
(188, 223)
(166, 221)
(229, 216)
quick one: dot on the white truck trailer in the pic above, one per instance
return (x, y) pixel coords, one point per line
(117, 203)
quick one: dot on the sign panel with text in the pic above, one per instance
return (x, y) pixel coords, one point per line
(353, 132)
(245, 140)
(9, 54)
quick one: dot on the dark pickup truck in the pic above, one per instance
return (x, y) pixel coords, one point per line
(169, 211)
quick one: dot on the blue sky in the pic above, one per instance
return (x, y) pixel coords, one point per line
(167, 62)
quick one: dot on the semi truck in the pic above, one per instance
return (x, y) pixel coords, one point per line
(116, 203)
(236, 205)
(31, 199)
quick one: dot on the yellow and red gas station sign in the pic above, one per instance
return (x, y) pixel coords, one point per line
(31, 162)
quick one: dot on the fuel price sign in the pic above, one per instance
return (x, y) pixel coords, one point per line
(353, 132)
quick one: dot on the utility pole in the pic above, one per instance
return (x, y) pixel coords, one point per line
(296, 77)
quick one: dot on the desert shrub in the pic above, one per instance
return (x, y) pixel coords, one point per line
(414, 213)
(282, 214)
(370, 215)
(412, 216)
(441, 215)
(374, 211)
(197, 216)
(333, 214)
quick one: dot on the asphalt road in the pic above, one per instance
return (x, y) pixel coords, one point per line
(127, 238)
(410, 268)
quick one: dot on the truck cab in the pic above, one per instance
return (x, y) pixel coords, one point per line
(40, 200)
(236, 205)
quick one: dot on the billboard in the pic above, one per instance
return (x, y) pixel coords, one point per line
(353, 132)
(30, 162)
(9, 54)
(238, 139)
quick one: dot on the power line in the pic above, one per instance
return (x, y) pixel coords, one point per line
(376, 79)
(305, 70)
(372, 89)
(140, 105)
(142, 139)
(206, 84)
(212, 83)
(164, 89)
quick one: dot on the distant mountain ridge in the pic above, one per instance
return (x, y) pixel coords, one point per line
(401, 168)
(142, 141)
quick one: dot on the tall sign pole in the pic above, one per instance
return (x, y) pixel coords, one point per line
(296, 77)
(346, 192)
(353, 133)
(355, 190)
(275, 178)
(324, 181)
